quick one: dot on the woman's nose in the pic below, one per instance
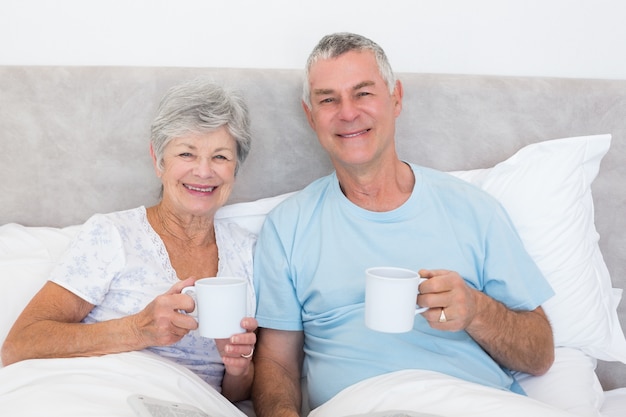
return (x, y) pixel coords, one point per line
(204, 168)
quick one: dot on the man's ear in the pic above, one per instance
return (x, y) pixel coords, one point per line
(398, 93)
(309, 115)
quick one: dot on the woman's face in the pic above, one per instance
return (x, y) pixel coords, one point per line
(198, 172)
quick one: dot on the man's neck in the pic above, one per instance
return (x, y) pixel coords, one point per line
(382, 188)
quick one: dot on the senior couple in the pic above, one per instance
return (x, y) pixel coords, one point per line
(118, 288)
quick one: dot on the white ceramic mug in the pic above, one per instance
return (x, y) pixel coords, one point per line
(390, 295)
(220, 305)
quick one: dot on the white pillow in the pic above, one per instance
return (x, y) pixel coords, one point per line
(546, 188)
(250, 215)
(571, 384)
(27, 254)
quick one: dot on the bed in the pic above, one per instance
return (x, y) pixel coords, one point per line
(74, 142)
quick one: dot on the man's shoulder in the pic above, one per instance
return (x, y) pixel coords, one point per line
(431, 174)
(448, 186)
(448, 178)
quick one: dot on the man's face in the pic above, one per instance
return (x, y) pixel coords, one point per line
(352, 111)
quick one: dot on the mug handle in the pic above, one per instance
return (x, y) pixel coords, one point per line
(418, 309)
(190, 291)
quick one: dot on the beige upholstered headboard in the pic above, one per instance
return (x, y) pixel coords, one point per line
(74, 140)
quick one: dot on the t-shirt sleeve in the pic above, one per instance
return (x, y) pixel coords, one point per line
(277, 302)
(92, 260)
(510, 274)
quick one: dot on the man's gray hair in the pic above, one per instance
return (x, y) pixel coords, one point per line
(337, 44)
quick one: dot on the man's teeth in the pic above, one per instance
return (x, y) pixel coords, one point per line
(354, 134)
(204, 190)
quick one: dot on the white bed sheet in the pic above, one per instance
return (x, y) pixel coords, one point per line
(100, 386)
(614, 403)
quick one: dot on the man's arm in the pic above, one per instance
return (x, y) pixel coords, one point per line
(278, 359)
(518, 340)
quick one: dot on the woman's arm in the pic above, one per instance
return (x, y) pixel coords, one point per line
(50, 326)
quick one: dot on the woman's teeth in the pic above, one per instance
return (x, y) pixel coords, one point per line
(203, 190)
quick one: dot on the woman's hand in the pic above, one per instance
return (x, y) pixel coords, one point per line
(237, 354)
(161, 322)
(237, 351)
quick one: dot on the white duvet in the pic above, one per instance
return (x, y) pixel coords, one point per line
(100, 386)
(431, 393)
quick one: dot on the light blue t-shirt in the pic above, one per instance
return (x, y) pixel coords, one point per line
(118, 263)
(310, 275)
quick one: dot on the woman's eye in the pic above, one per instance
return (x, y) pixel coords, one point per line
(186, 155)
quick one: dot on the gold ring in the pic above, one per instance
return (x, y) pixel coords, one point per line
(442, 316)
(249, 355)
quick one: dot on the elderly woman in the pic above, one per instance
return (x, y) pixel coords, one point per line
(118, 287)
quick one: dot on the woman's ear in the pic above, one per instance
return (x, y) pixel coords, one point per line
(154, 162)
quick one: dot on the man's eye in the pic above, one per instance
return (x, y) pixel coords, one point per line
(327, 100)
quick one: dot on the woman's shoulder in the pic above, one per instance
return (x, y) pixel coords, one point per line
(115, 222)
(121, 216)
(232, 232)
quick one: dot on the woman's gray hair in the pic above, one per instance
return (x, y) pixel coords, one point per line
(337, 44)
(200, 106)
